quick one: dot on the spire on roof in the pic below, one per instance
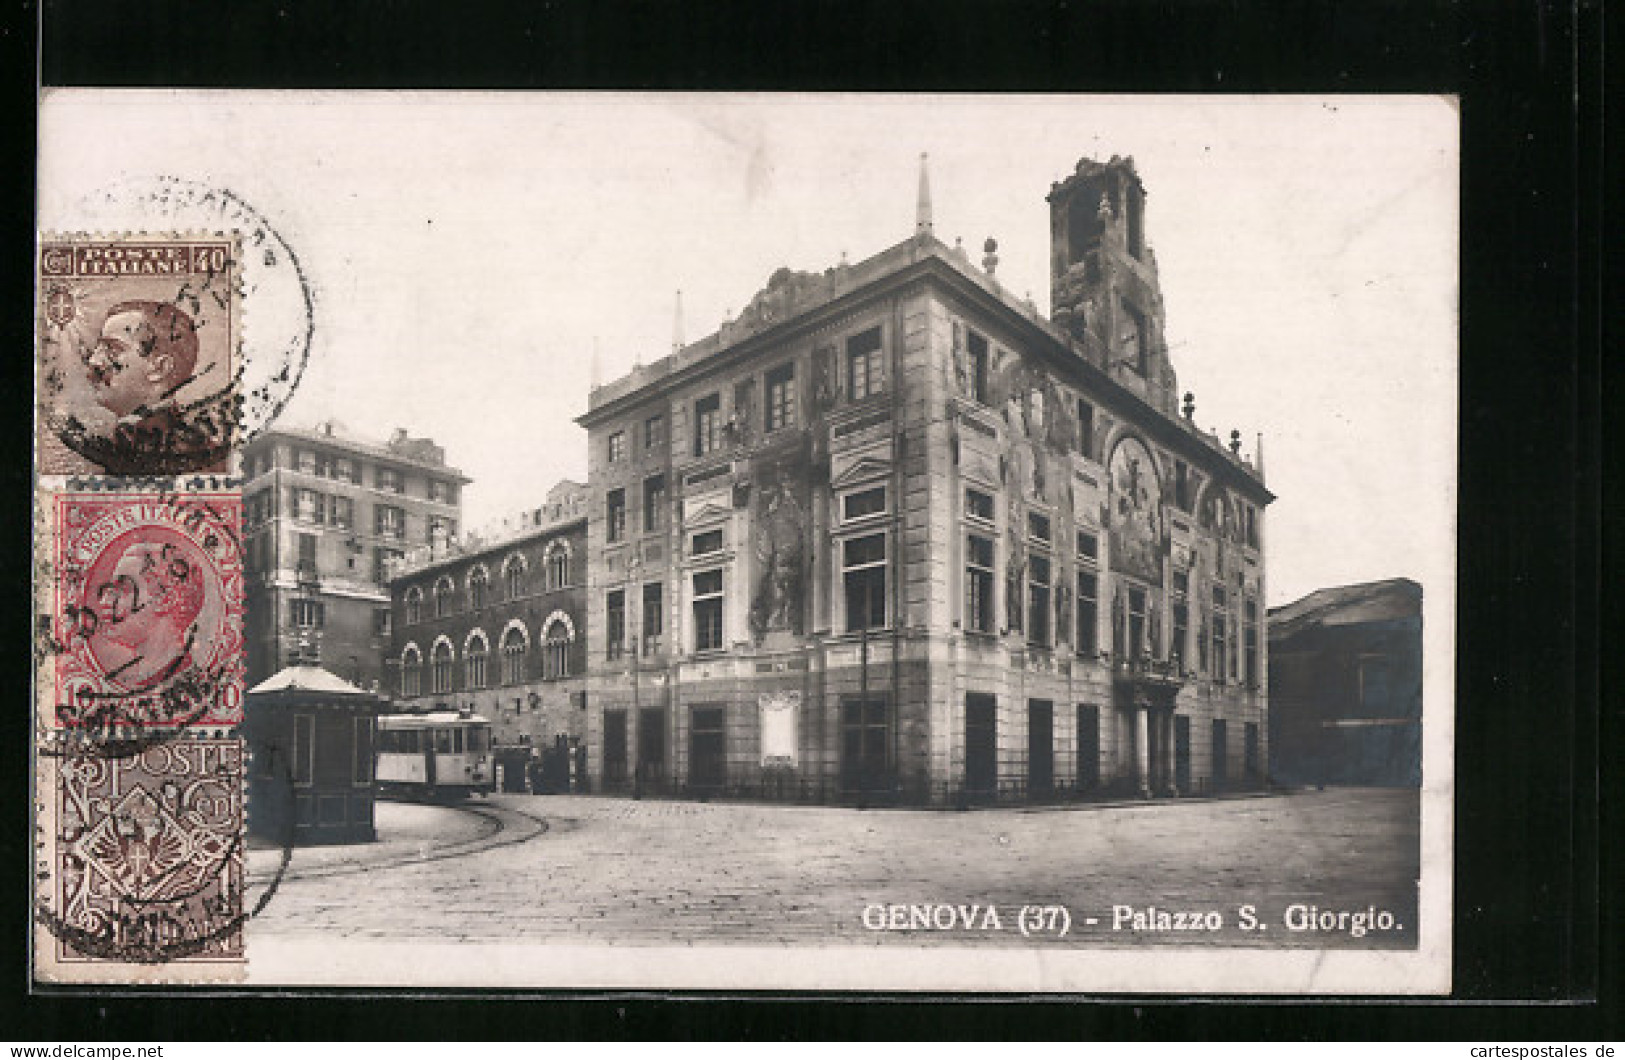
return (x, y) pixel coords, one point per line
(677, 324)
(922, 208)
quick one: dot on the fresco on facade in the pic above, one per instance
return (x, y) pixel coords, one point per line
(1135, 530)
(1040, 425)
(779, 521)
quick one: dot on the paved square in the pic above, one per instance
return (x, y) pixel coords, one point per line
(576, 869)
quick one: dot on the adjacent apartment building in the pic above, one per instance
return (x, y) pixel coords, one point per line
(892, 535)
(495, 625)
(325, 514)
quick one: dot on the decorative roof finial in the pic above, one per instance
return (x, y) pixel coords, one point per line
(990, 255)
(677, 324)
(1258, 456)
(922, 208)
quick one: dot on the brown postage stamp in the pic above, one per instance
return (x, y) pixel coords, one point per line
(138, 339)
(140, 864)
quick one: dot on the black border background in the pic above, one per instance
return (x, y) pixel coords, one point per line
(1529, 724)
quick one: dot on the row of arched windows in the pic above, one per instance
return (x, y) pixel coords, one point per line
(558, 634)
(515, 582)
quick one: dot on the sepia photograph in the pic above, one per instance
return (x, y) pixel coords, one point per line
(746, 542)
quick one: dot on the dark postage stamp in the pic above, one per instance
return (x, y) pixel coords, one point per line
(143, 593)
(138, 354)
(140, 864)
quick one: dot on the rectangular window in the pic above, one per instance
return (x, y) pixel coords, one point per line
(1088, 544)
(1250, 644)
(1252, 525)
(979, 584)
(654, 617)
(1182, 485)
(654, 433)
(1220, 635)
(781, 397)
(615, 624)
(707, 413)
(307, 553)
(1136, 343)
(1088, 613)
(979, 505)
(981, 744)
(615, 515)
(865, 367)
(383, 560)
(1086, 429)
(1182, 581)
(306, 461)
(1136, 623)
(1182, 622)
(863, 503)
(707, 748)
(304, 747)
(361, 759)
(706, 543)
(617, 447)
(978, 366)
(652, 743)
(863, 565)
(389, 521)
(389, 479)
(708, 610)
(308, 614)
(654, 503)
(381, 621)
(1038, 527)
(342, 512)
(1038, 605)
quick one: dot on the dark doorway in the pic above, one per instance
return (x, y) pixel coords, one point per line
(652, 745)
(1182, 753)
(865, 745)
(1221, 766)
(981, 744)
(1040, 748)
(1088, 747)
(707, 749)
(614, 747)
(1250, 753)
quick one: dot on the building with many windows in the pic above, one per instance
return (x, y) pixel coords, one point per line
(891, 534)
(495, 624)
(325, 514)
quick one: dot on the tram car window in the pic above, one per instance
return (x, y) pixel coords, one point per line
(441, 755)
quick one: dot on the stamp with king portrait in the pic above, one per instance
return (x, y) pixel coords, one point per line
(144, 603)
(138, 354)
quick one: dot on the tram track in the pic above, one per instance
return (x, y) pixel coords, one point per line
(508, 827)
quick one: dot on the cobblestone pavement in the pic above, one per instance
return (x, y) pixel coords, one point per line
(572, 869)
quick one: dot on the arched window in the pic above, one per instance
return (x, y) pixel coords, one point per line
(442, 661)
(557, 636)
(558, 565)
(479, 588)
(443, 591)
(514, 646)
(414, 606)
(475, 652)
(513, 574)
(411, 671)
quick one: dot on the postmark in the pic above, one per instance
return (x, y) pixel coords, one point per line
(138, 353)
(279, 301)
(140, 862)
(145, 605)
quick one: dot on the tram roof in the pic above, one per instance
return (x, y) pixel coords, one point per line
(430, 720)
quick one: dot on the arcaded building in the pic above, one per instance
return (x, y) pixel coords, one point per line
(893, 535)
(495, 624)
(325, 514)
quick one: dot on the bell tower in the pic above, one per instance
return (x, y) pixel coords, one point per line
(1104, 291)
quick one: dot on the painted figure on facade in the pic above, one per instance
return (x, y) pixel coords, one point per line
(826, 379)
(781, 557)
(1015, 572)
(1135, 532)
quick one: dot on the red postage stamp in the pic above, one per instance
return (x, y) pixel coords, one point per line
(146, 612)
(141, 861)
(138, 354)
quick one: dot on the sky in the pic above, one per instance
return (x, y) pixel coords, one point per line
(467, 253)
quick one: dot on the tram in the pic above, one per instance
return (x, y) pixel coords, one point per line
(439, 755)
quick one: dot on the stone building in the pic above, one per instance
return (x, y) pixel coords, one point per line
(496, 624)
(324, 515)
(892, 535)
(1346, 686)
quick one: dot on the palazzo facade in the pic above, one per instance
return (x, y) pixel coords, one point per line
(891, 535)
